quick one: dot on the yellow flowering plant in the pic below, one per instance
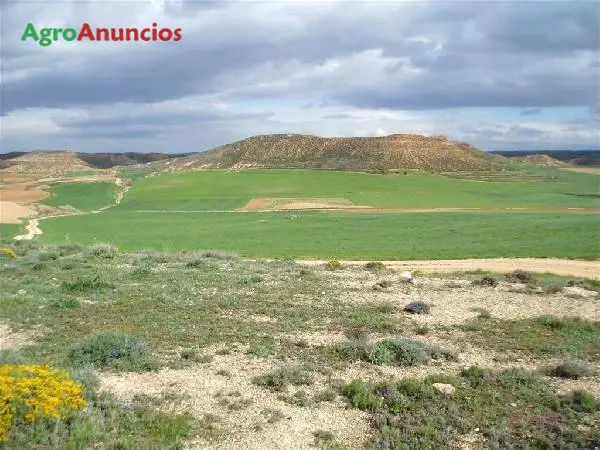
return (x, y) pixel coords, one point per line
(33, 392)
(6, 251)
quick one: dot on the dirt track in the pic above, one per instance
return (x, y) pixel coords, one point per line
(566, 267)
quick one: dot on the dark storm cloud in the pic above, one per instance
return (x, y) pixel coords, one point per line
(158, 119)
(350, 55)
(479, 67)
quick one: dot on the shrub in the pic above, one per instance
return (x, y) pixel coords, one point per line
(66, 303)
(101, 251)
(219, 255)
(576, 283)
(279, 379)
(8, 356)
(399, 352)
(552, 289)
(581, 401)
(326, 395)
(48, 255)
(417, 308)
(568, 369)
(112, 350)
(39, 266)
(298, 398)
(486, 281)
(194, 356)
(422, 330)
(68, 248)
(69, 264)
(334, 265)
(31, 393)
(195, 261)
(374, 266)
(252, 279)
(152, 256)
(360, 396)
(520, 276)
(84, 284)
(8, 252)
(482, 313)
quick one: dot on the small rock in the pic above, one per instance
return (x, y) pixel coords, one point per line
(515, 287)
(417, 308)
(514, 405)
(21, 292)
(407, 277)
(446, 389)
(576, 291)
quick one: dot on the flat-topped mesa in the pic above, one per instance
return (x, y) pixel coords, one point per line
(370, 153)
(415, 137)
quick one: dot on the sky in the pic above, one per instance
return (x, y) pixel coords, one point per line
(501, 75)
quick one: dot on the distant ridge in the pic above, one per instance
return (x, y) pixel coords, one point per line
(64, 161)
(574, 157)
(51, 163)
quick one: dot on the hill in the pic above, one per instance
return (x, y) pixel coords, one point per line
(541, 160)
(108, 160)
(397, 151)
(574, 157)
(59, 162)
(49, 163)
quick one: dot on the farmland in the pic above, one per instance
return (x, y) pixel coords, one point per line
(201, 210)
(83, 196)
(227, 190)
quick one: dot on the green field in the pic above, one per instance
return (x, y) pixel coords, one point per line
(225, 190)
(196, 210)
(9, 230)
(83, 196)
(339, 235)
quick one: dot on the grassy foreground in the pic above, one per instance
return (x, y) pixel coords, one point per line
(94, 311)
(339, 235)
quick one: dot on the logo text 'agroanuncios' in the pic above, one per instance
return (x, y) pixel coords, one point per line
(47, 36)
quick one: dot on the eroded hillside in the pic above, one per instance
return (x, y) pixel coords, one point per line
(397, 151)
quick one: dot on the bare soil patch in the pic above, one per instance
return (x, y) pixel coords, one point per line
(10, 340)
(454, 302)
(566, 267)
(346, 205)
(286, 204)
(11, 212)
(203, 388)
(591, 170)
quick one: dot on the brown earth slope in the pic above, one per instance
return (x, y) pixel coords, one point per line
(542, 160)
(47, 163)
(397, 151)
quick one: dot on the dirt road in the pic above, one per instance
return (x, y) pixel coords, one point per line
(32, 229)
(566, 267)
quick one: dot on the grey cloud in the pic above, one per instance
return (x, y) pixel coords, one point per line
(528, 55)
(531, 111)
